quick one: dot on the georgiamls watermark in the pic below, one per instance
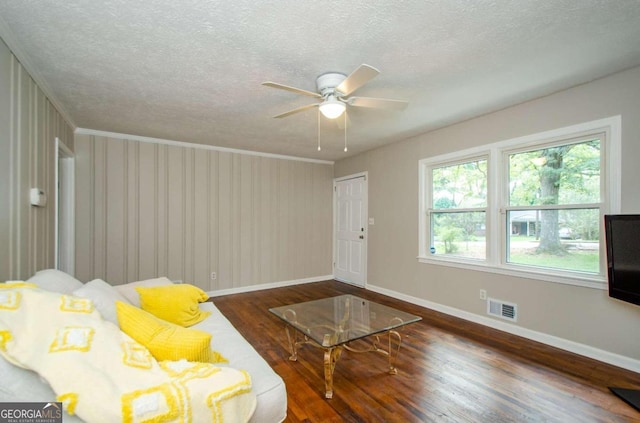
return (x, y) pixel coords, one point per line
(31, 412)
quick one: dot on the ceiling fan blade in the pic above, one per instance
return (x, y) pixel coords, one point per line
(292, 89)
(358, 78)
(378, 103)
(299, 109)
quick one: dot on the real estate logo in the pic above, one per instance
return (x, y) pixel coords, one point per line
(30, 412)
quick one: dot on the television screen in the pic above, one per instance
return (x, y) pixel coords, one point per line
(622, 234)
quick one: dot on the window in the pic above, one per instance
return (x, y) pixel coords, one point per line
(531, 206)
(554, 201)
(458, 209)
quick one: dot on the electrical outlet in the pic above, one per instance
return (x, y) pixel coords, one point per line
(483, 294)
(214, 276)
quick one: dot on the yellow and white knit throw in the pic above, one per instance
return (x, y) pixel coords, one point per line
(102, 375)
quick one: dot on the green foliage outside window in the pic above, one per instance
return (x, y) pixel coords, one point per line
(552, 214)
(458, 217)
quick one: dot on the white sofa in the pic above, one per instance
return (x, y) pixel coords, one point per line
(20, 385)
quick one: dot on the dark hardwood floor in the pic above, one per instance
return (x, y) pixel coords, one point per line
(449, 370)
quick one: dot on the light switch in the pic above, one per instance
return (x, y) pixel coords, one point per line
(372, 221)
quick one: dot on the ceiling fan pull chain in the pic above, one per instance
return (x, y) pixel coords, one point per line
(318, 130)
(345, 132)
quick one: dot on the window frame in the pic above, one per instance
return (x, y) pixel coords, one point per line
(497, 155)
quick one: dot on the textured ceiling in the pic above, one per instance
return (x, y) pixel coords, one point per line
(191, 70)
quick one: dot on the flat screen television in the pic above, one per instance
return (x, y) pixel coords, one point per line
(622, 235)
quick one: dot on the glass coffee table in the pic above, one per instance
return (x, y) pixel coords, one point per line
(333, 324)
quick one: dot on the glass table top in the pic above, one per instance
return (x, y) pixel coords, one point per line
(338, 320)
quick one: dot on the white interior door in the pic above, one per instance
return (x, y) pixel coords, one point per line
(350, 230)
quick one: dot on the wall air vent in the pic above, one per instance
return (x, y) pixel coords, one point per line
(502, 309)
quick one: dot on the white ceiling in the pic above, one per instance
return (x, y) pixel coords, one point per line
(191, 70)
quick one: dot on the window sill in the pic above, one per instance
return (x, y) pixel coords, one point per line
(586, 281)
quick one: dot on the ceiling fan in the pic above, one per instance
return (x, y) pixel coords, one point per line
(334, 89)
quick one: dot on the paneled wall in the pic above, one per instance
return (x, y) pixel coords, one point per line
(29, 124)
(147, 209)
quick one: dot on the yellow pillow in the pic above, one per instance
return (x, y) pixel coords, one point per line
(174, 303)
(164, 340)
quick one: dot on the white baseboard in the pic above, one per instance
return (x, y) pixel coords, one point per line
(554, 341)
(260, 287)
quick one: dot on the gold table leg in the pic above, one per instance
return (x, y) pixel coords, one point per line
(331, 356)
(390, 352)
(293, 343)
(393, 355)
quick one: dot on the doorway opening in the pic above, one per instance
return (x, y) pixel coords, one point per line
(65, 208)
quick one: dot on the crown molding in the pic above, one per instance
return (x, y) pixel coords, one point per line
(16, 49)
(93, 132)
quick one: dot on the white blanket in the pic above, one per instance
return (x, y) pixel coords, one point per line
(102, 375)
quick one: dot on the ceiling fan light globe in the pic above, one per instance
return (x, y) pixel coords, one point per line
(332, 108)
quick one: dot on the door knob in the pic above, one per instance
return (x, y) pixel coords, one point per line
(361, 236)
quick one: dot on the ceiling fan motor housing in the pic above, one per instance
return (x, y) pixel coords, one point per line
(327, 83)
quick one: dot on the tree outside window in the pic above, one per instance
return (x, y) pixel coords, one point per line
(530, 206)
(560, 186)
(458, 213)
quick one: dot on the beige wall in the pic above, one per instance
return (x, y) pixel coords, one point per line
(29, 125)
(584, 315)
(146, 209)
